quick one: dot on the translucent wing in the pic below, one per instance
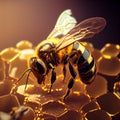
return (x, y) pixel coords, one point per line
(64, 24)
(85, 29)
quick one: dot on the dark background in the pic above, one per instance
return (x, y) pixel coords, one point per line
(34, 19)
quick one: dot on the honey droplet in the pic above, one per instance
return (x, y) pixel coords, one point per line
(24, 44)
(109, 66)
(111, 50)
(9, 54)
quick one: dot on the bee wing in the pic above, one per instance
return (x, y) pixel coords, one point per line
(85, 29)
(64, 24)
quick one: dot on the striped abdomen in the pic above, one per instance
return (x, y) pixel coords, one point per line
(85, 63)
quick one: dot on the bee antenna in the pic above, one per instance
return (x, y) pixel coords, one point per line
(29, 69)
(27, 79)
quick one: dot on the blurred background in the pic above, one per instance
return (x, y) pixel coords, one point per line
(34, 19)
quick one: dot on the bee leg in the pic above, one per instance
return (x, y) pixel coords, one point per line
(72, 71)
(65, 61)
(71, 81)
(70, 85)
(64, 72)
(53, 77)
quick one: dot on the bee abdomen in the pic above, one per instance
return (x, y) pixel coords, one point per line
(86, 67)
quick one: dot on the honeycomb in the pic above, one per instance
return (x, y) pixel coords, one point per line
(98, 101)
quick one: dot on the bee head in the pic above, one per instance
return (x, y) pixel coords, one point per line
(38, 68)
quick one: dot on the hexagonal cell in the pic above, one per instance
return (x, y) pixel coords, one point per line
(111, 50)
(5, 84)
(17, 67)
(109, 66)
(20, 64)
(78, 87)
(34, 95)
(70, 115)
(91, 106)
(24, 44)
(97, 115)
(7, 102)
(54, 108)
(110, 103)
(46, 116)
(9, 54)
(98, 87)
(77, 100)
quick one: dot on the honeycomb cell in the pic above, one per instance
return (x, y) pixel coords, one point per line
(91, 106)
(34, 94)
(24, 44)
(77, 100)
(46, 116)
(78, 86)
(116, 89)
(7, 102)
(70, 115)
(54, 108)
(9, 54)
(109, 66)
(110, 103)
(20, 64)
(17, 67)
(98, 115)
(110, 50)
(5, 84)
(98, 87)
(32, 102)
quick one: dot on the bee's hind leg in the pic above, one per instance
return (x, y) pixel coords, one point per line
(70, 85)
(71, 81)
(53, 77)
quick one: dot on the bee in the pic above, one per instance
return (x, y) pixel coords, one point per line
(62, 46)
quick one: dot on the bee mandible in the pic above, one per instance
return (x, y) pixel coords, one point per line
(62, 46)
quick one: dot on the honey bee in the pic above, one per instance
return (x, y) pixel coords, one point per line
(62, 46)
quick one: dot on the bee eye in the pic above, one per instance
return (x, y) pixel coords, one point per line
(40, 67)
